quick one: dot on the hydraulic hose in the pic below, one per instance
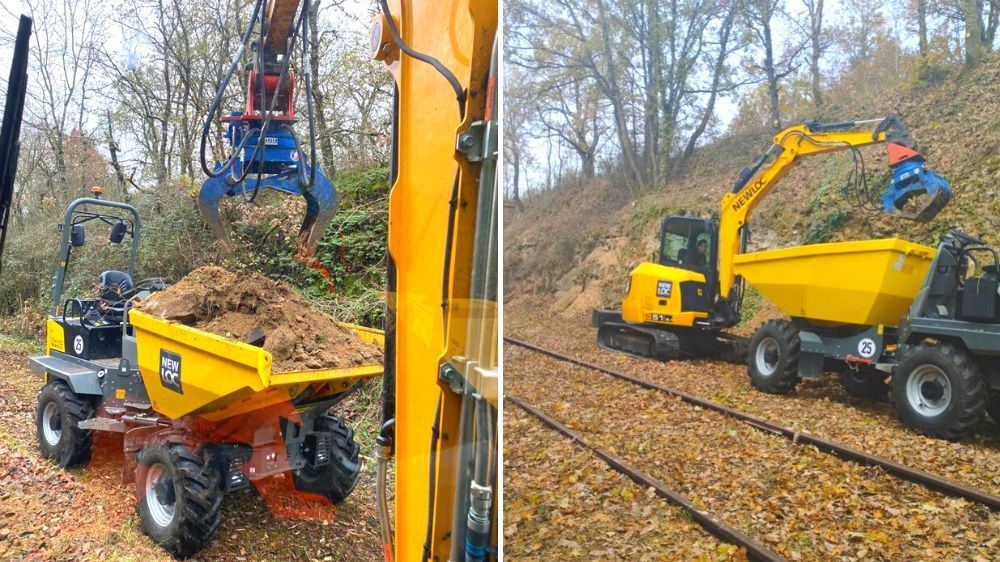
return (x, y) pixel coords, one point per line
(310, 110)
(479, 521)
(383, 452)
(460, 95)
(219, 93)
(259, 149)
(432, 479)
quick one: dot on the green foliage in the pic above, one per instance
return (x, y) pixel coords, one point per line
(352, 250)
(174, 240)
(753, 301)
(649, 213)
(825, 227)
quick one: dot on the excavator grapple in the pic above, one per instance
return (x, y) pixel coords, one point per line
(263, 149)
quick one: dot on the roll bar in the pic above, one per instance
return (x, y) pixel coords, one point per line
(65, 248)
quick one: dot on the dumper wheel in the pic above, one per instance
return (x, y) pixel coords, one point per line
(773, 359)
(993, 408)
(59, 437)
(865, 382)
(179, 498)
(939, 390)
(336, 479)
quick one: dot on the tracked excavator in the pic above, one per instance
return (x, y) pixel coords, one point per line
(680, 305)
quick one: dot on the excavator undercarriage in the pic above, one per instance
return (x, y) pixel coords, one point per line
(661, 342)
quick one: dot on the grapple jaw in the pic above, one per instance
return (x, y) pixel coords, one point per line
(321, 203)
(915, 193)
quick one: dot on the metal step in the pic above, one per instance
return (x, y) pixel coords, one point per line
(103, 424)
(42, 364)
(80, 374)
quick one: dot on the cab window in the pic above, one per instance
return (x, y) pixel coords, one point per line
(685, 243)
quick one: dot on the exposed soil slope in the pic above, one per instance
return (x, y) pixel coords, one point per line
(578, 241)
(235, 305)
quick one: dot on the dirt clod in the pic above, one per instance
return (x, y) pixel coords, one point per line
(298, 336)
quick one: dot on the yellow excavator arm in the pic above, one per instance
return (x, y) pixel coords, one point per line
(910, 180)
(441, 383)
(790, 145)
(278, 23)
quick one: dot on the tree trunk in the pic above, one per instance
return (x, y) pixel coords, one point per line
(322, 125)
(633, 173)
(772, 76)
(815, 33)
(975, 48)
(587, 164)
(922, 27)
(115, 164)
(516, 197)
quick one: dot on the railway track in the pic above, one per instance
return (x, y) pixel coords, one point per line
(931, 481)
(710, 522)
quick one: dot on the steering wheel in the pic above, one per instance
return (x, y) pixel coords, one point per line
(147, 284)
(963, 238)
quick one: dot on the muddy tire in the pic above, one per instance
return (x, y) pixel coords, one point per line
(336, 479)
(773, 358)
(179, 498)
(939, 390)
(56, 417)
(865, 382)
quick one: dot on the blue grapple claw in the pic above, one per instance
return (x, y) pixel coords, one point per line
(916, 193)
(278, 167)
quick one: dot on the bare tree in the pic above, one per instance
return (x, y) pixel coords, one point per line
(572, 112)
(814, 9)
(760, 16)
(63, 52)
(718, 69)
(515, 132)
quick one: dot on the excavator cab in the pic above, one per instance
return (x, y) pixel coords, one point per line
(675, 291)
(668, 309)
(687, 243)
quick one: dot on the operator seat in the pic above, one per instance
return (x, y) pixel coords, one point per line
(114, 285)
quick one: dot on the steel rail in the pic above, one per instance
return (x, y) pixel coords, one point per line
(934, 482)
(711, 523)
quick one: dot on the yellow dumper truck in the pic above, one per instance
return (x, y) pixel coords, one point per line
(201, 414)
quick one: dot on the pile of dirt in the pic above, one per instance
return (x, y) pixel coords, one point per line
(246, 306)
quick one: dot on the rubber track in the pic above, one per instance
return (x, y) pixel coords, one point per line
(943, 485)
(711, 523)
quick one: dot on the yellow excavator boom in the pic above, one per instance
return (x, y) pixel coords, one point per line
(441, 327)
(790, 145)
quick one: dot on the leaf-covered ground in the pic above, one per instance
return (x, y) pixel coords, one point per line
(562, 502)
(802, 503)
(821, 407)
(47, 513)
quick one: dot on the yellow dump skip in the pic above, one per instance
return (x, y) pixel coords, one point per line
(867, 283)
(189, 371)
